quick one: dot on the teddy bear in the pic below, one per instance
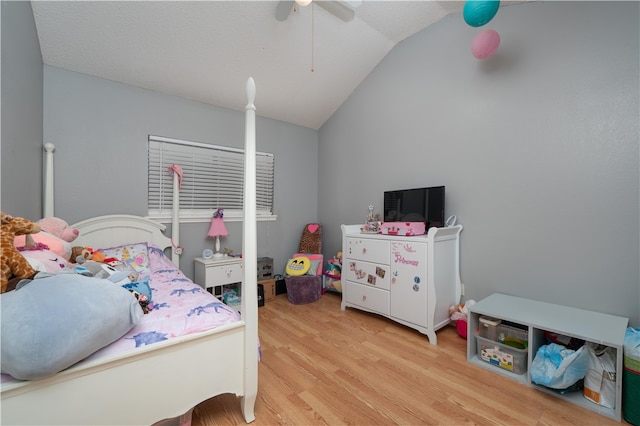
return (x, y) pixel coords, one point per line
(59, 228)
(80, 254)
(13, 263)
(55, 233)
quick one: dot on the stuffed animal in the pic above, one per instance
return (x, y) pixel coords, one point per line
(56, 235)
(59, 228)
(46, 261)
(337, 259)
(13, 263)
(98, 256)
(80, 254)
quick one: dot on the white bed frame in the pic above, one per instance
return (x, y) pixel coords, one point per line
(166, 379)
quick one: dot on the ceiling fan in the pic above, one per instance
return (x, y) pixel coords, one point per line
(341, 9)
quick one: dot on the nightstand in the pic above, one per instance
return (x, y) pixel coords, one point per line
(215, 273)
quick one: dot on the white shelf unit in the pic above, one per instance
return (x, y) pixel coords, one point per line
(540, 317)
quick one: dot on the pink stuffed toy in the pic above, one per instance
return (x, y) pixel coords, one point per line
(59, 228)
(56, 234)
(45, 261)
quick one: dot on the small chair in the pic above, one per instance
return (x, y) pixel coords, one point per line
(307, 288)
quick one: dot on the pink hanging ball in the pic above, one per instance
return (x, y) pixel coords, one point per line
(485, 44)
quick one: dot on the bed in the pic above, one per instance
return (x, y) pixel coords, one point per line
(144, 382)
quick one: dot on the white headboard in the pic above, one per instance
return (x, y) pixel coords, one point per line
(113, 230)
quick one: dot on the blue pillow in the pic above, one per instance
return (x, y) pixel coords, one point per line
(53, 322)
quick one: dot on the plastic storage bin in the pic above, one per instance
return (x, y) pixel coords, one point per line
(461, 326)
(489, 328)
(501, 355)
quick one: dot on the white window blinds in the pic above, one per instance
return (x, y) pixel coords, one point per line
(213, 177)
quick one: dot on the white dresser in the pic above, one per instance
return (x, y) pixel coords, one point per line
(411, 280)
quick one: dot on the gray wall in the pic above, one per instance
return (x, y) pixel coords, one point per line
(21, 145)
(100, 130)
(538, 148)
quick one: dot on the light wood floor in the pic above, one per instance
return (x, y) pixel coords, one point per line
(324, 366)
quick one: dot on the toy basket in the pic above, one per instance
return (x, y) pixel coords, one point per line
(502, 355)
(461, 326)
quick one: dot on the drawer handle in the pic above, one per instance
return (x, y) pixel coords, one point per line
(364, 297)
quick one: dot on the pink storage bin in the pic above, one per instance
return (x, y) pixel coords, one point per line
(461, 326)
(403, 228)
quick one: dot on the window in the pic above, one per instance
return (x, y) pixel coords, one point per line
(213, 176)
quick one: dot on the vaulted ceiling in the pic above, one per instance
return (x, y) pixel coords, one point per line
(206, 50)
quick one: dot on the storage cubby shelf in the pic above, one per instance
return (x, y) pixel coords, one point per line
(540, 317)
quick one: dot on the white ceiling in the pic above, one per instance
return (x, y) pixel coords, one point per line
(206, 50)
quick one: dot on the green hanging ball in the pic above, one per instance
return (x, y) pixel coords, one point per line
(476, 13)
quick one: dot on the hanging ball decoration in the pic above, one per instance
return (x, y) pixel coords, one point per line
(485, 44)
(479, 12)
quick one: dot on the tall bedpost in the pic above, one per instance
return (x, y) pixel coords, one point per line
(176, 251)
(249, 301)
(47, 209)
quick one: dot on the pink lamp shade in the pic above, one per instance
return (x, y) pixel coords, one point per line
(217, 228)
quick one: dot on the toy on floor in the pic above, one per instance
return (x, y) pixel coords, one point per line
(333, 273)
(458, 314)
(230, 297)
(334, 266)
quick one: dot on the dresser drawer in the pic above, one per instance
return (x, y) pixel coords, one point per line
(224, 274)
(367, 297)
(374, 251)
(368, 273)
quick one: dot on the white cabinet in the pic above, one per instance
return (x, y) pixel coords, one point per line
(540, 317)
(411, 280)
(410, 283)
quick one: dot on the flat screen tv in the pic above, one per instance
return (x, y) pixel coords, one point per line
(415, 205)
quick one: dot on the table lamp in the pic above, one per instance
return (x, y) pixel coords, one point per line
(217, 230)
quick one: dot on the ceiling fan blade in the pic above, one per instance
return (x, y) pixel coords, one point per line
(284, 9)
(337, 8)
